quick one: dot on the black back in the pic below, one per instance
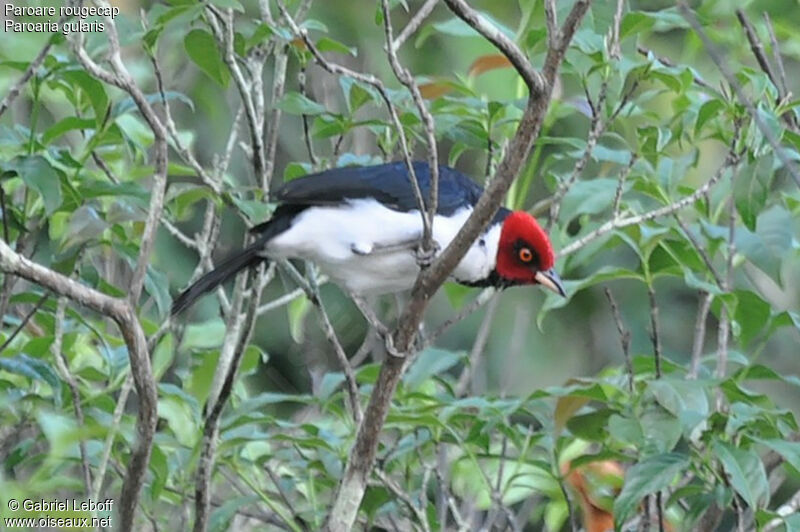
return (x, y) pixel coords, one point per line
(389, 183)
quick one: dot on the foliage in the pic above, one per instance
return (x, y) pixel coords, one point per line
(624, 136)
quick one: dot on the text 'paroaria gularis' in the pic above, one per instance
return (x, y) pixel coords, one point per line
(362, 227)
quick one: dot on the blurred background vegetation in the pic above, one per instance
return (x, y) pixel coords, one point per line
(91, 226)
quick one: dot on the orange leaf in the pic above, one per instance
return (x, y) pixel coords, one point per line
(434, 89)
(486, 63)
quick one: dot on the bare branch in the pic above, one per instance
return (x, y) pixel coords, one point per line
(532, 78)
(756, 47)
(404, 76)
(214, 407)
(612, 225)
(362, 454)
(668, 62)
(116, 418)
(621, 185)
(790, 507)
(414, 24)
(613, 46)
(776, 53)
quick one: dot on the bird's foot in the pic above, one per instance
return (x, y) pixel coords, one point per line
(390, 348)
(425, 256)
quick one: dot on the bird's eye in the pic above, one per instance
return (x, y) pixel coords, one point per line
(525, 255)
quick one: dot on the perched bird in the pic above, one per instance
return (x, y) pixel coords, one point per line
(362, 227)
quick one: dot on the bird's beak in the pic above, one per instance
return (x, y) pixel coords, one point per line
(551, 281)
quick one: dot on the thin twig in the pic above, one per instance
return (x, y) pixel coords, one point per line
(414, 24)
(699, 333)
(478, 348)
(371, 80)
(724, 318)
(34, 65)
(116, 419)
(25, 321)
(533, 79)
(623, 175)
(301, 81)
(404, 76)
(214, 410)
(776, 54)
(701, 251)
(66, 374)
(654, 336)
(624, 336)
(311, 290)
(756, 47)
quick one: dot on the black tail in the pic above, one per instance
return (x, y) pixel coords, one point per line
(281, 220)
(245, 258)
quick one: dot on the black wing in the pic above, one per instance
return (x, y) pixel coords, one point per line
(388, 183)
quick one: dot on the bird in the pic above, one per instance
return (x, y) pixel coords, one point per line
(362, 227)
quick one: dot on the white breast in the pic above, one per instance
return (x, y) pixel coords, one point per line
(369, 248)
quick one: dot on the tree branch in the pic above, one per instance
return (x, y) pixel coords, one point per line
(362, 455)
(123, 314)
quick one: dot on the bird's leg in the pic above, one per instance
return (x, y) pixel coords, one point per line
(372, 318)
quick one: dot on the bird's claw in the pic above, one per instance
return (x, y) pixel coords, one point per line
(425, 256)
(390, 348)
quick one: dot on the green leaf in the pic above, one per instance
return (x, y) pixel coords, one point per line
(648, 476)
(588, 197)
(180, 419)
(767, 246)
(127, 105)
(93, 89)
(751, 189)
(707, 111)
(746, 473)
(222, 516)
(635, 22)
(233, 4)
(298, 310)
(34, 369)
(296, 104)
(255, 210)
(37, 173)
(790, 450)
(430, 362)
(326, 44)
(294, 170)
(69, 123)
(591, 426)
(203, 51)
(204, 335)
(85, 225)
(752, 314)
